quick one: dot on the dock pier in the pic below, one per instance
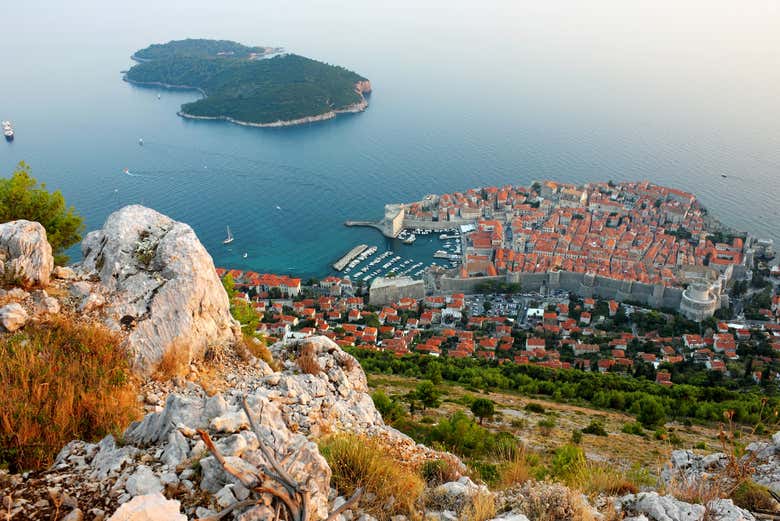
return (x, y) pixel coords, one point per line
(349, 256)
(370, 224)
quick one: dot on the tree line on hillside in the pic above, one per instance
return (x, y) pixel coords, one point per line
(638, 396)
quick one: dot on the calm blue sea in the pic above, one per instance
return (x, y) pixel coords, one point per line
(465, 94)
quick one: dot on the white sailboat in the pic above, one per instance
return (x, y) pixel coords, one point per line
(229, 237)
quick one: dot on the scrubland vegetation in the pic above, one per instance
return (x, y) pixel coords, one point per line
(651, 403)
(60, 380)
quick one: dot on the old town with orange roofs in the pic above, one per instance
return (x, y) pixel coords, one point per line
(600, 277)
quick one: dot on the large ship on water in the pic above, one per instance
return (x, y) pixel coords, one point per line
(8, 131)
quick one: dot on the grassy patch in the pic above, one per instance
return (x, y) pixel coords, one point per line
(359, 461)
(61, 380)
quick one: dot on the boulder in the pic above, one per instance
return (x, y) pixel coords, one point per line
(726, 510)
(13, 317)
(160, 283)
(660, 508)
(150, 507)
(180, 411)
(143, 481)
(25, 254)
(44, 304)
(64, 273)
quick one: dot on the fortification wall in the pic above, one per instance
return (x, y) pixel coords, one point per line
(581, 284)
(384, 295)
(448, 284)
(434, 225)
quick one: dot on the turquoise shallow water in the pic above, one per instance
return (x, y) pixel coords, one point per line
(678, 93)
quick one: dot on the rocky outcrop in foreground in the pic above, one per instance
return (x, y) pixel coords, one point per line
(158, 283)
(162, 453)
(25, 254)
(762, 458)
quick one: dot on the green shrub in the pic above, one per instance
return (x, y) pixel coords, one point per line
(390, 409)
(463, 436)
(21, 197)
(567, 461)
(576, 437)
(752, 496)
(651, 412)
(595, 427)
(701, 446)
(534, 407)
(483, 408)
(488, 472)
(633, 428)
(546, 426)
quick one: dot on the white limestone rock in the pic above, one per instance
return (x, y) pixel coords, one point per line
(63, 273)
(151, 507)
(109, 459)
(230, 422)
(726, 510)
(13, 317)
(142, 482)
(510, 517)
(25, 254)
(660, 508)
(177, 449)
(44, 304)
(160, 283)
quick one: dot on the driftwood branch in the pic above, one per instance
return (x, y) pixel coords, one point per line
(291, 500)
(287, 480)
(246, 479)
(346, 506)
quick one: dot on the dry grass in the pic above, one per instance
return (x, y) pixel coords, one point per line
(175, 362)
(515, 470)
(544, 501)
(701, 491)
(594, 479)
(307, 359)
(438, 471)
(481, 507)
(359, 461)
(61, 380)
(252, 346)
(619, 449)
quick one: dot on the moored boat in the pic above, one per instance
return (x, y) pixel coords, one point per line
(8, 131)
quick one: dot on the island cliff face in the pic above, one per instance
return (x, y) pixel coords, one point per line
(250, 86)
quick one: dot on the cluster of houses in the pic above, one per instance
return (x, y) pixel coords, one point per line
(552, 335)
(626, 231)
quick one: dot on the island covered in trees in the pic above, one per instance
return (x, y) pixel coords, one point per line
(255, 86)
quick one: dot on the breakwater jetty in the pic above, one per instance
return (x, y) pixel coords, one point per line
(348, 257)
